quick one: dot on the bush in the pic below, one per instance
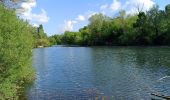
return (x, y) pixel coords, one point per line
(16, 42)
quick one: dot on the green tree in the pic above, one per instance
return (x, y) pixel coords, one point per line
(166, 24)
(41, 32)
(129, 35)
(146, 28)
(95, 27)
(15, 54)
(40, 37)
(86, 36)
(72, 38)
(142, 30)
(154, 22)
(55, 39)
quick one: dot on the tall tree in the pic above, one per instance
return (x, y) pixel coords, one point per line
(41, 32)
(15, 53)
(142, 30)
(95, 27)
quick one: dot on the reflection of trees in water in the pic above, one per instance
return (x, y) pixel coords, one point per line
(111, 71)
(155, 62)
(135, 68)
(114, 71)
(41, 60)
(152, 58)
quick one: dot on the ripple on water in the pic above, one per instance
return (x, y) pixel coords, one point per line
(121, 73)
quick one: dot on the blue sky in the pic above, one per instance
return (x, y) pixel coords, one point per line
(58, 16)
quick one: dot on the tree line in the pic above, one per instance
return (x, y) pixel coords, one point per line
(145, 28)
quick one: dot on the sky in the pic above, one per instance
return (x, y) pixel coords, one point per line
(58, 16)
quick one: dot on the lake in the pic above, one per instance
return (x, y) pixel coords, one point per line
(98, 73)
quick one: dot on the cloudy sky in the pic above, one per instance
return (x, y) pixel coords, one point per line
(58, 16)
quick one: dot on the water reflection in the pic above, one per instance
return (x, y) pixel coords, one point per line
(130, 73)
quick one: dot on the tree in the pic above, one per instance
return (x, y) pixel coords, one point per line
(55, 39)
(40, 37)
(95, 27)
(72, 38)
(167, 9)
(154, 21)
(15, 54)
(165, 25)
(167, 16)
(145, 28)
(41, 32)
(86, 36)
(142, 30)
(129, 34)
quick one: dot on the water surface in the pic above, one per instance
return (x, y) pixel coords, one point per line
(83, 73)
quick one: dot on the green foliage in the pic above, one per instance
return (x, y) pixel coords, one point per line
(41, 42)
(99, 28)
(86, 36)
(16, 42)
(40, 37)
(146, 28)
(72, 38)
(55, 39)
(141, 26)
(41, 33)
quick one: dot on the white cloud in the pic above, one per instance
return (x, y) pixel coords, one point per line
(27, 6)
(103, 7)
(90, 13)
(116, 5)
(132, 6)
(80, 18)
(68, 25)
(35, 25)
(26, 13)
(39, 18)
